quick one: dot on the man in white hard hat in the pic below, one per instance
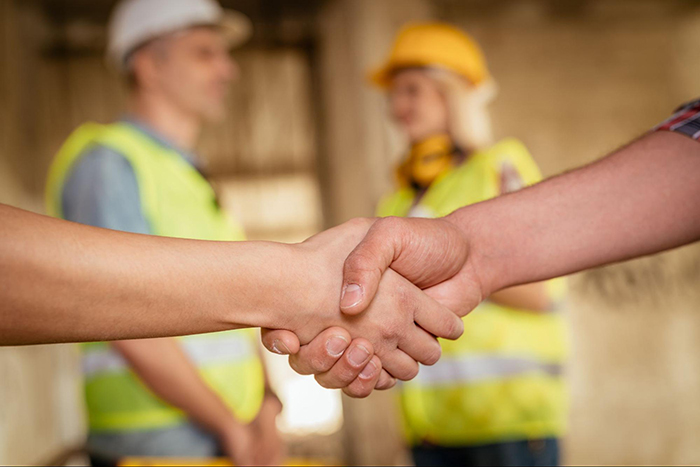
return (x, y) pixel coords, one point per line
(196, 396)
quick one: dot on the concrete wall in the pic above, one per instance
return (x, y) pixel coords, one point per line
(577, 80)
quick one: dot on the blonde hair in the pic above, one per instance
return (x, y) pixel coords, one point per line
(468, 113)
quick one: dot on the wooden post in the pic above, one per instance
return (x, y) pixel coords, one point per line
(355, 36)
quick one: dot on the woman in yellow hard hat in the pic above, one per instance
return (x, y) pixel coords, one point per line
(497, 396)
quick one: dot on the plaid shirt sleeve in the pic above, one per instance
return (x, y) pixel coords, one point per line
(686, 120)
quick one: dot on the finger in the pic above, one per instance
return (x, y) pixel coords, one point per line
(354, 364)
(435, 318)
(319, 355)
(279, 341)
(399, 365)
(364, 267)
(421, 346)
(365, 383)
(386, 381)
(457, 297)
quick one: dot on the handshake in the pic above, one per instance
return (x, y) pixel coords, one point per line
(378, 294)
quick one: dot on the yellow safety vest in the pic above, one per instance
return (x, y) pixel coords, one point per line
(177, 202)
(502, 379)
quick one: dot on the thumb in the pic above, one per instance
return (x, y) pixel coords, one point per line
(280, 341)
(364, 267)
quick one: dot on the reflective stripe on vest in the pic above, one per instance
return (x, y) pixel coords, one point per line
(201, 352)
(474, 368)
(177, 202)
(502, 378)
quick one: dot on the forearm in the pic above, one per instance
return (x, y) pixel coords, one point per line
(640, 200)
(62, 282)
(530, 297)
(167, 371)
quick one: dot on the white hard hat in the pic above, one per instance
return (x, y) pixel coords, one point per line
(135, 22)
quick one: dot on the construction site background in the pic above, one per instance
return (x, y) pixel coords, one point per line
(307, 145)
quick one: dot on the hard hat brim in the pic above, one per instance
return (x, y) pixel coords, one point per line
(381, 77)
(236, 28)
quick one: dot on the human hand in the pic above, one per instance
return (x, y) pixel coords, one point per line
(431, 253)
(333, 360)
(269, 446)
(389, 321)
(238, 443)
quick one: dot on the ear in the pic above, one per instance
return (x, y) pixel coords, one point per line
(144, 68)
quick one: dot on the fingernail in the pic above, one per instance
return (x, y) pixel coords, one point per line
(358, 355)
(369, 371)
(336, 345)
(351, 296)
(280, 347)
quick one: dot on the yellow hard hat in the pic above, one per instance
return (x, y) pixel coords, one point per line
(433, 44)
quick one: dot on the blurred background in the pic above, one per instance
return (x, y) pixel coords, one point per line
(307, 146)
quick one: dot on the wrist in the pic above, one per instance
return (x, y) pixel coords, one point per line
(276, 284)
(475, 226)
(229, 426)
(272, 402)
(314, 290)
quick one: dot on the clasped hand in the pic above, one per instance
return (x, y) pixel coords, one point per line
(383, 290)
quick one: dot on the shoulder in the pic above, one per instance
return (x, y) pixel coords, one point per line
(100, 163)
(102, 190)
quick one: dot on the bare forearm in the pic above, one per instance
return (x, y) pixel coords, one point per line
(531, 297)
(166, 370)
(643, 199)
(63, 282)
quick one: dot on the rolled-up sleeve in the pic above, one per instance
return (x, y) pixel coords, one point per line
(102, 190)
(686, 121)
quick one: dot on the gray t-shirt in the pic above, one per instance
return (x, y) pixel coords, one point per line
(101, 189)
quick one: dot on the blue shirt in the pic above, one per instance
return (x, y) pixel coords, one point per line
(101, 189)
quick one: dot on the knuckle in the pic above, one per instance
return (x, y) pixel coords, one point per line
(361, 261)
(390, 332)
(390, 224)
(360, 222)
